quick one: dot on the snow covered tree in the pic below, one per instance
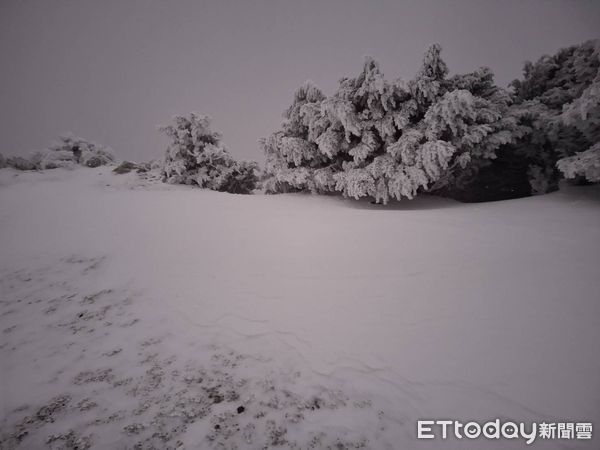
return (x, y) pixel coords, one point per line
(584, 114)
(196, 156)
(390, 140)
(559, 79)
(558, 100)
(477, 117)
(367, 117)
(428, 85)
(460, 136)
(3, 163)
(292, 153)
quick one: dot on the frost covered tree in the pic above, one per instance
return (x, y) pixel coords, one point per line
(429, 83)
(292, 154)
(390, 140)
(196, 156)
(461, 136)
(584, 114)
(558, 101)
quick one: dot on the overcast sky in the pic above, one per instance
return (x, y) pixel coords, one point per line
(112, 70)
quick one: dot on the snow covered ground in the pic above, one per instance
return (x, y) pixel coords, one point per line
(135, 314)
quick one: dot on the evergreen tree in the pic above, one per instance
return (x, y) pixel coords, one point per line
(389, 140)
(292, 153)
(196, 156)
(557, 100)
(429, 82)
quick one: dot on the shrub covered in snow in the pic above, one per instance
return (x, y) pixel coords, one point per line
(20, 163)
(196, 156)
(68, 152)
(71, 150)
(53, 159)
(390, 140)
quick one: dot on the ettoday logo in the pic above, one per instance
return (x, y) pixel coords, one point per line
(496, 429)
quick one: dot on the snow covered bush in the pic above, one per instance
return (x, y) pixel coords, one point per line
(390, 140)
(70, 151)
(53, 159)
(558, 101)
(2, 161)
(197, 156)
(20, 163)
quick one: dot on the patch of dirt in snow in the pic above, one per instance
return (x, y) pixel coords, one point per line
(103, 376)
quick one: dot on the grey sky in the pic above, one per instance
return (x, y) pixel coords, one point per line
(111, 70)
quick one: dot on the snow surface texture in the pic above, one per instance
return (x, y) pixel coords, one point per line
(136, 314)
